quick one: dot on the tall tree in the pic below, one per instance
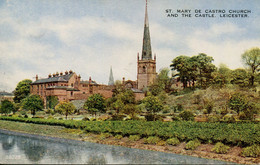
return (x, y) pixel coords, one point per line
(22, 90)
(240, 77)
(205, 68)
(33, 103)
(182, 65)
(66, 108)
(7, 107)
(152, 104)
(251, 58)
(95, 103)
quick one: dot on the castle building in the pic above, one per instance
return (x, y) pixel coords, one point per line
(146, 66)
(68, 87)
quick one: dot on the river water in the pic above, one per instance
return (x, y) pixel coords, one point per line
(18, 148)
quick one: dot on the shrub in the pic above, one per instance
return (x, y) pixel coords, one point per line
(229, 118)
(220, 148)
(192, 145)
(134, 137)
(151, 117)
(252, 151)
(173, 141)
(85, 119)
(152, 140)
(118, 136)
(25, 116)
(161, 143)
(187, 115)
(213, 119)
(50, 117)
(103, 136)
(60, 118)
(118, 117)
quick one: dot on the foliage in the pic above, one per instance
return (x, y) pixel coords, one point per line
(118, 136)
(240, 77)
(7, 107)
(33, 103)
(162, 82)
(65, 108)
(131, 110)
(251, 58)
(152, 140)
(213, 118)
(22, 90)
(192, 145)
(229, 118)
(238, 102)
(220, 148)
(134, 137)
(95, 103)
(251, 151)
(173, 141)
(51, 102)
(187, 115)
(244, 134)
(103, 136)
(152, 104)
(196, 68)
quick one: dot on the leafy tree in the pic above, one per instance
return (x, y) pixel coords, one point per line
(222, 76)
(153, 104)
(251, 58)
(22, 90)
(51, 102)
(162, 82)
(238, 102)
(95, 103)
(130, 109)
(7, 107)
(187, 115)
(240, 77)
(183, 66)
(66, 108)
(33, 103)
(204, 65)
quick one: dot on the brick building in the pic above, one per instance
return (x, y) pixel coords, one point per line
(67, 87)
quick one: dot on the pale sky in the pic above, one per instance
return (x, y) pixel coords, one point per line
(89, 36)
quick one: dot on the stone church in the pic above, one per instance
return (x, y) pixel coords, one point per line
(69, 86)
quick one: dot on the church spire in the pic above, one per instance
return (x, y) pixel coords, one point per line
(147, 50)
(111, 78)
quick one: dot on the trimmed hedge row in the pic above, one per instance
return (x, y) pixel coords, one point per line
(244, 134)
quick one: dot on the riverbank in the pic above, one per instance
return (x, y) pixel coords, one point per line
(203, 151)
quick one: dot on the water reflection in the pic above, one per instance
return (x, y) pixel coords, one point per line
(7, 142)
(46, 150)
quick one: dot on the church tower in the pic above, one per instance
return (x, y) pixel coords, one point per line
(146, 66)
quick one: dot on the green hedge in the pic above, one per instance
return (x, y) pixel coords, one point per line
(244, 134)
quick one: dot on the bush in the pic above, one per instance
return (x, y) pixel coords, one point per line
(213, 119)
(173, 141)
(85, 119)
(192, 145)
(152, 117)
(152, 140)
(103, 136)
(134, 137)
(50, 117)
(161, 143)
(118, 136)
(220, 148)
(229, 118)
(26, 116)
(252, 151)
(118, 117)
(187, 115)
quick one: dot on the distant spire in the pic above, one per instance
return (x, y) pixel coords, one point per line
(111, 78)
(147, 50)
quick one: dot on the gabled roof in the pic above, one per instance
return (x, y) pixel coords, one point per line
(62, 78)
(6, 94)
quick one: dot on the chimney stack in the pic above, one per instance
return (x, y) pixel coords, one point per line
(36, 77)
(90, 81)
(49, 76)
(70, 71)
(66, 72)
(61, 73)
(53, 75)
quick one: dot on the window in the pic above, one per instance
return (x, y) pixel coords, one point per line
(71, 93)
(144, 69)
(72, 84)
